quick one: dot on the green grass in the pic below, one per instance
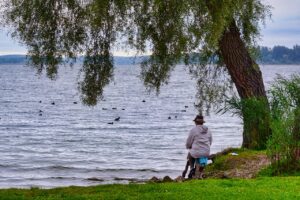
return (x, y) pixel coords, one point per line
(271, 171)
(260, 188)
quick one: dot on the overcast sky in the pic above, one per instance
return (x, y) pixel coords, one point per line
(282, 29)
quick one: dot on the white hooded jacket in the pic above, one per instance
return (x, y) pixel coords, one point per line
(199, 141)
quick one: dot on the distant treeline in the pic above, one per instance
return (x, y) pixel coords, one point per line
(12, 59)
(279, 55)
(275, 55)
(22, 59)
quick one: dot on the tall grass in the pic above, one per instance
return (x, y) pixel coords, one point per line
(283, 147)
(252, 111)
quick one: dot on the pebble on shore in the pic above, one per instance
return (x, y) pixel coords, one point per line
(165, 179)
(154, 179)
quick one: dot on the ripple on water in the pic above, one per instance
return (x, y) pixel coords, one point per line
(72, 144)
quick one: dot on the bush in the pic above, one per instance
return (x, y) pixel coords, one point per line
(283, 147)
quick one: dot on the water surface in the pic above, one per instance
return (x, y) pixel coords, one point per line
(64, 144)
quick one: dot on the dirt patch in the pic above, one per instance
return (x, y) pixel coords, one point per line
(243, 165)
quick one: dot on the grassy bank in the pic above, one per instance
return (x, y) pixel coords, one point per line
(260, 188)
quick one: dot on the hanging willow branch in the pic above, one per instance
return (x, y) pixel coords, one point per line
(174, 31)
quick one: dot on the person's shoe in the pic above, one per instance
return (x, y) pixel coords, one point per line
(192, 173)
(201, 176)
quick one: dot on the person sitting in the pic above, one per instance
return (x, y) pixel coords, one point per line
(198, 143)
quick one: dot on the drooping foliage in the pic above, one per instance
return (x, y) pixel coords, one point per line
(172, 30)
(50, 29)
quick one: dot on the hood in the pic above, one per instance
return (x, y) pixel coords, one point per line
(203, 128)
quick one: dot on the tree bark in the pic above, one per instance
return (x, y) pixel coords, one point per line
(248, 80)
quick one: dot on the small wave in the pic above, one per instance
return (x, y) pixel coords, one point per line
(80, 170)
(47, 178)
(74, 140)
(95, 179)
(147, 170)
(84, 128)
(58, 177)
(120, 169)
(9, 165)
(60, 167)
(135, 180)
(230, 127)
(46, 168)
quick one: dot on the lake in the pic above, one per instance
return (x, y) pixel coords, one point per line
(49, 139)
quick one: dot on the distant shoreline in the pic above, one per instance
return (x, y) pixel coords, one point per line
(22, 59)
(118, 60)
(277, 55)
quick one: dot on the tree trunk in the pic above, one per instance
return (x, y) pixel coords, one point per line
(248, 80)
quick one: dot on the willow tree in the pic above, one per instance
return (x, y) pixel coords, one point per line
(198, 32)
